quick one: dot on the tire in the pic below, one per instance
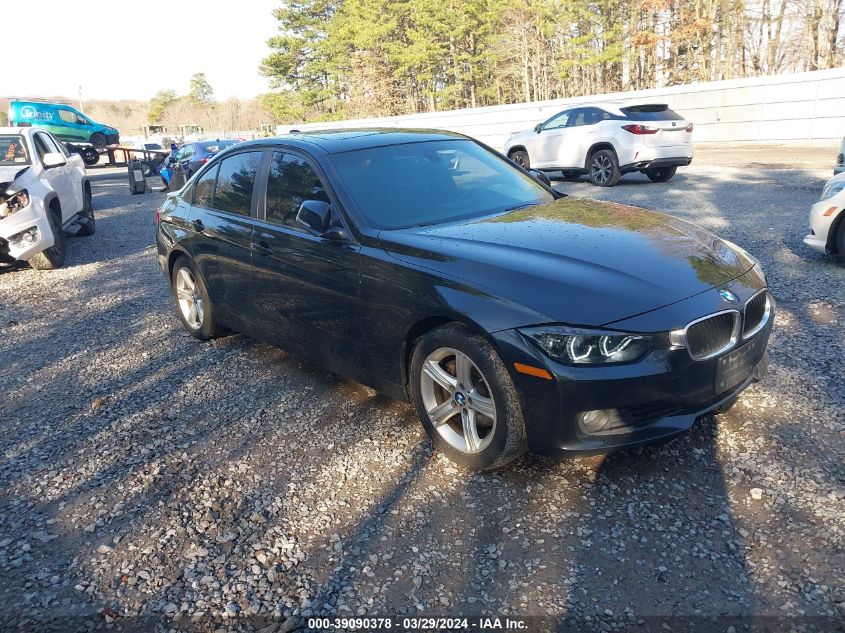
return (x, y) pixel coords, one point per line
(99, 139)
(189, 290)
(604, 168)
(87, 224)
(571, 175)
(520, 157)
(483, 399)
(840, 240)
(90, 156)
(53, 257)
(660, 174)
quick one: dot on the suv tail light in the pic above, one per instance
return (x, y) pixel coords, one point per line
(640, 129)
(689, 128)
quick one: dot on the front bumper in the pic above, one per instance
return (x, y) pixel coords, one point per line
(32, 216)
(819, 238)
(654, 399)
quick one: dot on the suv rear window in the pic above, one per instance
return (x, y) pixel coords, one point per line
(655, 112)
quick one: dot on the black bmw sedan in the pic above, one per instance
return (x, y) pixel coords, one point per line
(431, 268)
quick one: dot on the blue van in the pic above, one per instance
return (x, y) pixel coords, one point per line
(63, 121)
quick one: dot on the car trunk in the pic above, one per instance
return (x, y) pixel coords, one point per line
(672, 127)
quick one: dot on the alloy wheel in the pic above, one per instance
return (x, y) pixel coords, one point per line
(458, 400)
(601, 168)
(189, 298)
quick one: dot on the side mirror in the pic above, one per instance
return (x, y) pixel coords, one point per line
(53, 159)
(541, 176)
(538, 128)
(315, 215)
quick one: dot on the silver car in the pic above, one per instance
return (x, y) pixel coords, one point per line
(827, 219)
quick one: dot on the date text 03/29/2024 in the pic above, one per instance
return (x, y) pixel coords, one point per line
(418, 623)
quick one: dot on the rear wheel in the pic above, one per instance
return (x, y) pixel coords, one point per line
(53, 257)
(520, 157)
(192, 301)
(90, 156)
(87, 225)
(466, 399)
(660, 174)
(604, 168)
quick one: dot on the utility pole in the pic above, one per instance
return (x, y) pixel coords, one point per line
(81, 105)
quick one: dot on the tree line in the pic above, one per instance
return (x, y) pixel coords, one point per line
(360, 58)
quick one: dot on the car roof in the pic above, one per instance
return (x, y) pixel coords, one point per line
(347, 140)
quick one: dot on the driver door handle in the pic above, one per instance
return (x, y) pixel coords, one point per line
(262, 247)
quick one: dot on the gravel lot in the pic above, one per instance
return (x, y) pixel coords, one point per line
(227, 485)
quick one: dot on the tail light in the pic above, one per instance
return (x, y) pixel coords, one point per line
(689, 128)
(640, 129)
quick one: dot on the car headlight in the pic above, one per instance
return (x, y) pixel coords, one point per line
(831, 189)
(15, 202)
(576, 346)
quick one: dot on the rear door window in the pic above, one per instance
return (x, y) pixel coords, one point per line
(235, 182)
(204, 188)
(651, 113)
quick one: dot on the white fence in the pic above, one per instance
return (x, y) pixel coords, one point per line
(804, 108)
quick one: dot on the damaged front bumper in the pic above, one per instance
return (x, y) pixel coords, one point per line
(25, 232)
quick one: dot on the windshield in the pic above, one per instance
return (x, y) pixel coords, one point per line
(431, 182)
(13, 151)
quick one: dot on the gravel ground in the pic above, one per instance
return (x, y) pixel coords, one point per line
(226, 485)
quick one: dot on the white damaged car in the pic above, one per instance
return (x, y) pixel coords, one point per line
(827, 219)
(43, 192)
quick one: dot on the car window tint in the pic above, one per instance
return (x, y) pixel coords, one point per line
(204, 188)
(651, 113)
(67, 116)
(579, 117)
(290, 182)
(235, 182)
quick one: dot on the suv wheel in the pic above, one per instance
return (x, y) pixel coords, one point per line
(660, 174)
(87, 225)
(192, 301)
(520, 157)
(466, 400)
(604, 168)
(53, 257)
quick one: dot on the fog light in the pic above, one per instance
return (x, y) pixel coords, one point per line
(25, 238)
(592, 421)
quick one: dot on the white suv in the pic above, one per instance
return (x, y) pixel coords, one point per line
(43, 192)
(605, 141)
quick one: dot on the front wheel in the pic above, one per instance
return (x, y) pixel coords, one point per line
(604, 168)
(99, 139)
(53, 257)
(520, 157)
(660, 174)
(194, 306)
(466, 399)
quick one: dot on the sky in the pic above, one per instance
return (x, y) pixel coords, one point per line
(141, 48)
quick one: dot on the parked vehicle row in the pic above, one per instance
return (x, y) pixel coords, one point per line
(424, 265)
(43, 192)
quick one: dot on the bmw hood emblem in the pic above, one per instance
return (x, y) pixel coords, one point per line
(727, 295)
